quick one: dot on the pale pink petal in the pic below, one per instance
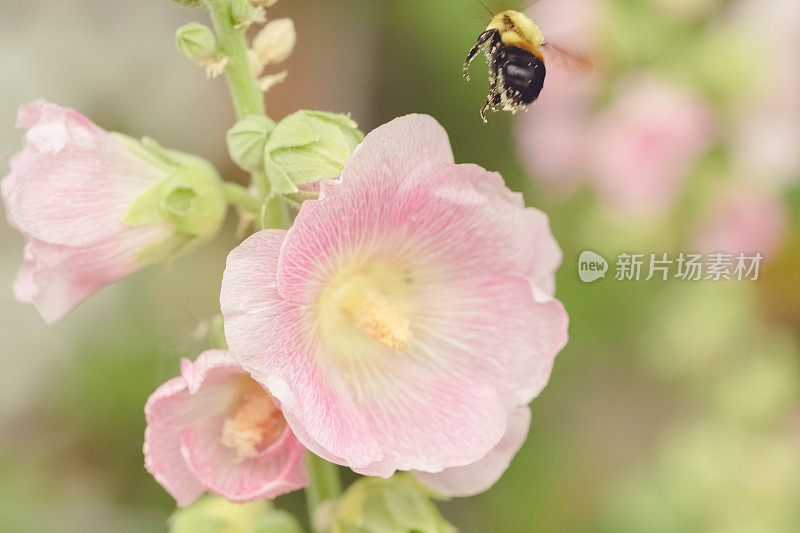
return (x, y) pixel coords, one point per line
(479, 476)
(392, 150)
(161, 458)
(449, 214)
(76, 197)
(276, 470)
(172, 408)
(25, 288)
(56, 278)
(19, 162)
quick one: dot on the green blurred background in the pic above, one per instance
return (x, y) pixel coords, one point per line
(674, 406)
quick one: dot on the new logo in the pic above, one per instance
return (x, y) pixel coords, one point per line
(591, 266)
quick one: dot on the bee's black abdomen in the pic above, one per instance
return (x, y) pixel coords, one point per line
(523, 73)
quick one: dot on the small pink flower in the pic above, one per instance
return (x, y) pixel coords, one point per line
(746, 219)
(67, 192)
(214, 428)
(407, 315)
(646, 143)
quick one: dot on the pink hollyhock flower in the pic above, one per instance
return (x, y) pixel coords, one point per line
(407, 315)
(645, 144)
(214, 428)
(68, 192)
(745, 219)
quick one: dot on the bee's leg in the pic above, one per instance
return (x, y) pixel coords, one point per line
(480, 44)
(495, 82)
(491, 103)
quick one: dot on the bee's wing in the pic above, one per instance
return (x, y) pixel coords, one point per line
(562, 58)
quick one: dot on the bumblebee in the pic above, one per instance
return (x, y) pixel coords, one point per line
(512, 44)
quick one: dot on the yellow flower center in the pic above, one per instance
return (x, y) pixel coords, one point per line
(363, 304)
(255, 422)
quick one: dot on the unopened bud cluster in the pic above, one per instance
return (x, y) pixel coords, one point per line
(289, 152)
(271, 46)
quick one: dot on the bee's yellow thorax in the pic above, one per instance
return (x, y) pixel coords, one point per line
(516, 29)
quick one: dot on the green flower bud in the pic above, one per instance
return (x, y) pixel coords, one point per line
(247, 140)
(189, 199)
(188, 3)
(212, 514)
(375, 505)
(241, 11)
(196, 41)
(308, 146)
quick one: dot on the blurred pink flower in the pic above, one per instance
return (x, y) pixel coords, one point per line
(636, 153)
(67, 192)
(214, 428)
(646, 143)
(407, 315)
(745, 218)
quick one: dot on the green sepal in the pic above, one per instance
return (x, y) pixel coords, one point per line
(247, 141)
(308, 146)
(375, 505)
(167, 248)
(196, 41)
(279, 180)
(294, 131)
(190, 200)
(212, 514)
(241, 10)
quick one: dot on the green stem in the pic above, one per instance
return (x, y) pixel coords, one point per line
(247, 98)
(261, 183)
(323, 484)
(241, 196)
(275, 214)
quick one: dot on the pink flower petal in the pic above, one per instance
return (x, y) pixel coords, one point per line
(277, 470)
(477, 477)
(77, 197)
(172, 408)
(56, 278)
